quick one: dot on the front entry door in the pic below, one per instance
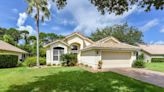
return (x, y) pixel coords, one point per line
(58, 51)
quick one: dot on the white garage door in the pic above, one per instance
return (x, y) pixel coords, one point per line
(116, 59)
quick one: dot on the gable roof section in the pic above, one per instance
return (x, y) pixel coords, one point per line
(153, 49)
(107, 39)
(61, 41)
(75, 33)
(103, 44)
(8, 47)
(80, 35)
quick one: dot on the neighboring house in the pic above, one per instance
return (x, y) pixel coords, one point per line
(152, 51)
(111, 51)
(6, 48)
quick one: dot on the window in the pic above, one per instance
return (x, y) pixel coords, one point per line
(74, 47)
(57, 52)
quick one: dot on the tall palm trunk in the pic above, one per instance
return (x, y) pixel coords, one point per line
(37, 36)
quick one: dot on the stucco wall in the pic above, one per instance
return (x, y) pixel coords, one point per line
(90, 58)
(49, 52)
(148, 57)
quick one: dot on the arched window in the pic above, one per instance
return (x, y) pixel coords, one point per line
(74, 47)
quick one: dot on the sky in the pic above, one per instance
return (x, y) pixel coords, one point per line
(82, 16)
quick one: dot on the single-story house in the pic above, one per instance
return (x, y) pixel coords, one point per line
(109, 50)
(152, 51)
(6, 48)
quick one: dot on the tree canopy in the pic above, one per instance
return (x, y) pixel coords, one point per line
(118, 7)
(124, 33)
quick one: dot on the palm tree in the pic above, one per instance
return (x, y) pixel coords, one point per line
(40, 6)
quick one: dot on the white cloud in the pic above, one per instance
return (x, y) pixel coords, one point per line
(162, 30)
(56, 28)
(20, 23)
(14, 10)
(68, 22)
(150, 25)
(28, 28)
(88, 19)
(22, 18)
(160, 42)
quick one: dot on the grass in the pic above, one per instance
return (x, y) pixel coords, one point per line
(155, 66)
(70, 79)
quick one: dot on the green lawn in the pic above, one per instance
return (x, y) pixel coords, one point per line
(155, 66)
(68, 80)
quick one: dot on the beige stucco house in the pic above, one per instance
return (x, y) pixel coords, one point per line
(151, 51)
(111, 51)
(6, 48)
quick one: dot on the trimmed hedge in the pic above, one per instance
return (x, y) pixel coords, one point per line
(7, 61)
(31, 61)
(157, 60)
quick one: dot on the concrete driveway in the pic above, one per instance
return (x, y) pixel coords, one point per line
(152, 77)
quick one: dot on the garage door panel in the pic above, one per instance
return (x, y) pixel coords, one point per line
(116, 59)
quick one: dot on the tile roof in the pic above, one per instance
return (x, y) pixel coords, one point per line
(101, 44)
(153, 49)
(8, 47)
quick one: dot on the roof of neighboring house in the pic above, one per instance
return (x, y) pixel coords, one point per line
(8, 47)
(153, 49)
(75, 33)
(103, 44)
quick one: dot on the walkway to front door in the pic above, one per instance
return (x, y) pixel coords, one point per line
(152, 77)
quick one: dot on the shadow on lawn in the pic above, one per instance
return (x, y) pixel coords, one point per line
(83, 81)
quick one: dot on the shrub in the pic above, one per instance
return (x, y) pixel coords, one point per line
(140, 57)
(31, 61)
(68, 59)
(157, 60)
(139, 64)
(100, 64)
(7, 61)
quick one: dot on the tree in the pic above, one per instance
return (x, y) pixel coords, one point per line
(41, 7)
(51, 37)
(8, 39)
(15, 34)
(2, 32)
(31, 39)
(124, 33)
(43, 38)
(118, 7)
(25, 35)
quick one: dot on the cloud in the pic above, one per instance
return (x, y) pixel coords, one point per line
(14, 10)
(28, 28)
(150, 25)
(22, 18)
(160, 42)
(66, 22)
(162, 30)
(21, 21)
(88, 19)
